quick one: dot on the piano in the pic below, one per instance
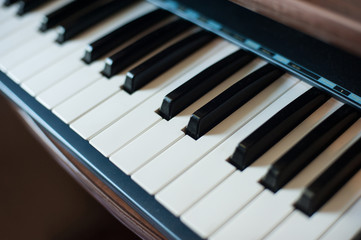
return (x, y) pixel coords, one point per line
(196, 119)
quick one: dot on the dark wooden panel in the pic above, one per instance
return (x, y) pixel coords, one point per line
(97, 189)
(333, 21)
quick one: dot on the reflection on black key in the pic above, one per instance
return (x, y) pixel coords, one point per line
(95, 13)
(9, 2)
(56, 17)
(134, 52)
(161, 62)
(122, 34)
(308, 148)
(331, 180)
(28, 5)
(180, 98)
(276, 128)
(230, 100)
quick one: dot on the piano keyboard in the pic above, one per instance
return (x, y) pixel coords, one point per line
(231, 146)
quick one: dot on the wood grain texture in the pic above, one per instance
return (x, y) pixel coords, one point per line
(333, 21)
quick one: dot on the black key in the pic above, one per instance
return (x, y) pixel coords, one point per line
(164, 60)
(56, 17)
(331, 180)
(278, 126)
(180, 98)
(230, 100)
(119, 36)
(29, 5)
(95, 13)
(135, 51)
(7, 3)
(308, 148)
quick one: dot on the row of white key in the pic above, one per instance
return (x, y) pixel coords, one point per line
(171, 157)
(42, 42)
(183, 192)
(70, 63)
(299, 226)
(102, 89)
(121, 103)
(347, 225)
(245, 184)
(178, 158)
(144, 116)
(17, 32)
(268, 210)
(52, 53)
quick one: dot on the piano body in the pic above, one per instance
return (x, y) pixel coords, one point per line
(249, 132)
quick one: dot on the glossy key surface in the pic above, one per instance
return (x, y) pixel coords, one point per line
(122, 34)
(181, 97)
(164, 60)
(230, 100)
(95, 13)
(308, 148)
(277, 127)
(134, 52)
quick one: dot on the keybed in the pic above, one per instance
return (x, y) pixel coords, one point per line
(191, 161)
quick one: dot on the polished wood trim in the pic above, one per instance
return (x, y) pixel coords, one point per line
(103, 194)
(335, 22)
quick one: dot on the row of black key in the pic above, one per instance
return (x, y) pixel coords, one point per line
(76, 15)
(223, 105)
(303, 152)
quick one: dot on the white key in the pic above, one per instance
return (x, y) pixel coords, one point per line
(204, 174)
(11, 60)
(25, 27)
(38, 63)
(90, 97)
(46, 58)
(248, 181)
(7, 13)
(13, 25)
(121, 103)
(27, 50)
(61, 91)
(93, 95)
(300, 226)
(11, 42)
(78, 105)
(131, 157)
(143, 117)
(56, 72)
(87, 98)
(102, 115)
(245, 185)
(178, 122)
(109, 141)
(179, 157)
(219, 205)
(347, 226)
(269, 209)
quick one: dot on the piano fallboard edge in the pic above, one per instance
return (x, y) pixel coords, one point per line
(321, 65)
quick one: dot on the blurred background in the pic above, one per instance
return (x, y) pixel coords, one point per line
(38, 199)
